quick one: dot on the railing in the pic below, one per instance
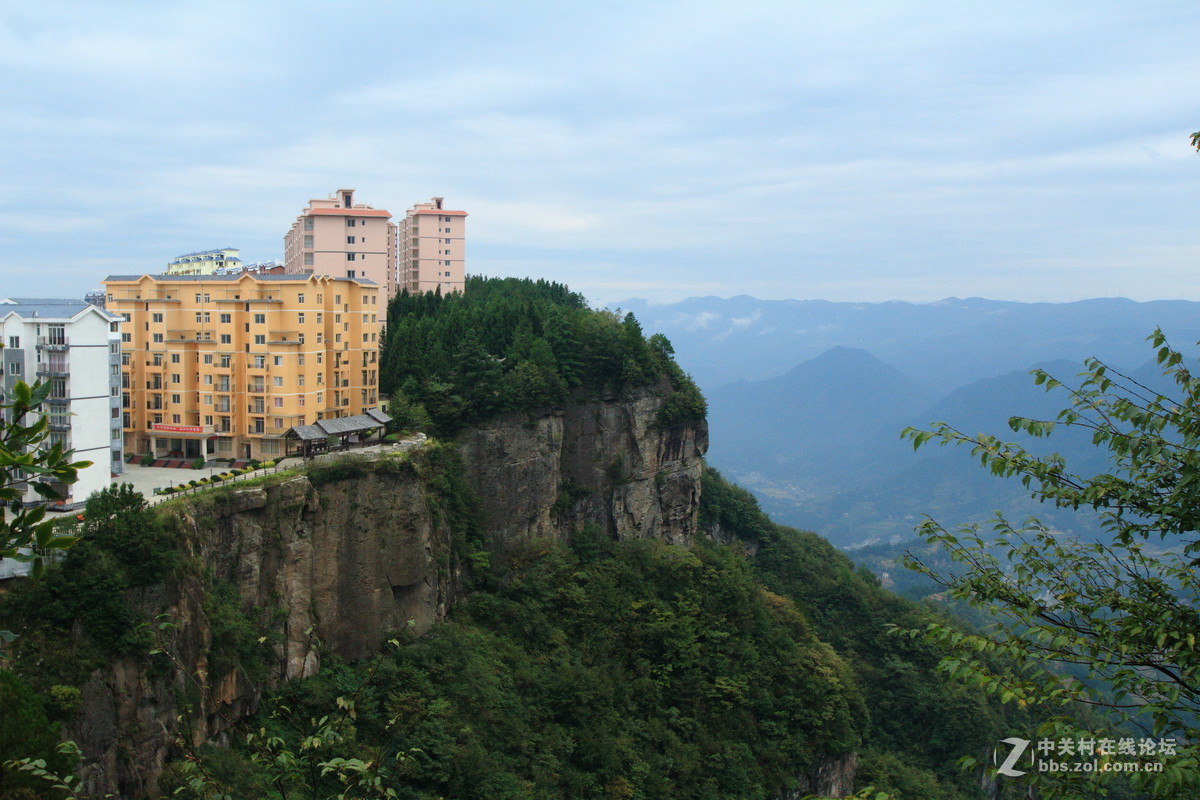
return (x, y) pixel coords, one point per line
(46, 343)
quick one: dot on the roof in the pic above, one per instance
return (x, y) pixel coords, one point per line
(50, 308)
(339, 426)
(416, 211)
(237, 276)
(348, 212)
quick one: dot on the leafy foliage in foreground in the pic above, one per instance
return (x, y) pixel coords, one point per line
(1122, 612)
(518, 345)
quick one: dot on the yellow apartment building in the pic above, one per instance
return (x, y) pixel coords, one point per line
(221, 366)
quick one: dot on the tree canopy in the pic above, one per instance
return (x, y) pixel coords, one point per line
(518, 345)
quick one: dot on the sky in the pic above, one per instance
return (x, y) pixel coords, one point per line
(862, 151)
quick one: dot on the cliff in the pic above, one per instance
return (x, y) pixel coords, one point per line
(339, 556)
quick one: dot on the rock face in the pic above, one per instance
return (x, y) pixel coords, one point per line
(604, 462)
(342, 561)
(338, 566)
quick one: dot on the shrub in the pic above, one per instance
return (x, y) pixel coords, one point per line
(192, 483)
(198, 463)
(147, 460)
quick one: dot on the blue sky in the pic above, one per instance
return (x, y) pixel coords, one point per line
(845, 151)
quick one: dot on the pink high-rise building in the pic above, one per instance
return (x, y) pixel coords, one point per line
(344, 239)
(433, 248)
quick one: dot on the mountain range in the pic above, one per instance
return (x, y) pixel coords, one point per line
(807, 399)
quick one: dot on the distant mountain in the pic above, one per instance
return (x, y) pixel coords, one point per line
(863, 484)
(940, 345)
(815, 421)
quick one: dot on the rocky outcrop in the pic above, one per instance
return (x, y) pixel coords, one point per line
(833, 777)
(605, 462)
(336, 565)
(339, 557)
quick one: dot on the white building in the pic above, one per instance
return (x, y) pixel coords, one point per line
(76, 347)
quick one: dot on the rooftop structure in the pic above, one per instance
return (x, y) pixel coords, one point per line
(204, 262)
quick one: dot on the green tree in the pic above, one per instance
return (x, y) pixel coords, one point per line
(25, 456)
(1110, 624)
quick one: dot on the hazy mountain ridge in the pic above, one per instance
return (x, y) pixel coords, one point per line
(818, 442)
(941, 345)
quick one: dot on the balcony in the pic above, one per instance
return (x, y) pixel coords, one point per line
(53, 371)
(58, 401)
(189, 336)
(284, 337)
(53, 344)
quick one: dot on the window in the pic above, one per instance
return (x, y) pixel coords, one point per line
(300, 298)
(224, 362)
(320, 397)
(278, 361)
(208, 402)
(260, 362)
(349, 240)
(176, 378)
(260, 319)
(320, 299)
(279, 380)
(337, 317)
(158, 337)
(14, 342)
(197, 316)
(308, 259)
(208, 358)
(174, 358)
(350, 273)
(226, 318)
(278, 402)
(300, 380)
(197, 297)
(175, 418)
(320, 357)
(300, 359)
(157, 317)
(206, 297)
(308, 242)
(320, 317)
(319, 337)
(349, 223)
(260, 338)
(300, 318)
(208, 380)
(301, 399)
(226, 338)
(351, 256)
(337, 299)
(175, 398)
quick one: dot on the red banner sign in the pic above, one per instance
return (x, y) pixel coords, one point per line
(163, 428)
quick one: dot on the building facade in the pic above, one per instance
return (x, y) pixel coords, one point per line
(205, 262)
(221, 366)
(432, 248)
(339, 237)
(76, 347)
